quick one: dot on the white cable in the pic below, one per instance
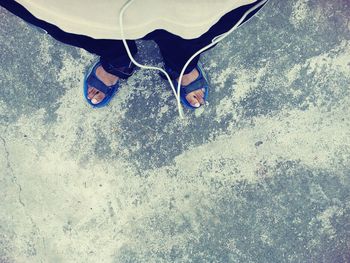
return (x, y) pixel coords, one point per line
(140, 65)
(215, 40)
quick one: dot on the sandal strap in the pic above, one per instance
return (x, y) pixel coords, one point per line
(122, 72)
(197, 84)
(98, 84)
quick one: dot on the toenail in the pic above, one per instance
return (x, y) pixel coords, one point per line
(94, 101)
(197, 105)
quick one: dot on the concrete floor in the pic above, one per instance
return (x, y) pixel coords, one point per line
(262, 174)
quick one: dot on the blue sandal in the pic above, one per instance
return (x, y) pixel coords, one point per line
(199, 83)
(92, 80)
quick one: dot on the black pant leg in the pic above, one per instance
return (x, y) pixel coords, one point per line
(113, 55)
(114, 58)
(176, 51)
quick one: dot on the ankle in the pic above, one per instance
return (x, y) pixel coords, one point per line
(105, 76)
(189, 77)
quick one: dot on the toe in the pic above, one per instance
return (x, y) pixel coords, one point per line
(98, 98)
(193, 100)
(200, 96)
(91, 92)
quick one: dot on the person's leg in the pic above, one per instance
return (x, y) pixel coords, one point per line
(176, 51)
(113, 57)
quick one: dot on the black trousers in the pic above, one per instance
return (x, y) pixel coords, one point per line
(175, 50)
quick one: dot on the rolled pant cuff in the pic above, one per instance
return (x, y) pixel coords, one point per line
(174, 72)
(121, 67)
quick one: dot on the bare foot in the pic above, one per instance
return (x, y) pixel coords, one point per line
(195, 98)
(109, 79)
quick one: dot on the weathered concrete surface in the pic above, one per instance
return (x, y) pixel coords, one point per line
(261, 175)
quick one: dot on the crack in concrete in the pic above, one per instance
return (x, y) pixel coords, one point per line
(15, 181)
(13, 176)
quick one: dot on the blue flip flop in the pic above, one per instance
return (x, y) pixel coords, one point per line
(199, 83)
(92, 80)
